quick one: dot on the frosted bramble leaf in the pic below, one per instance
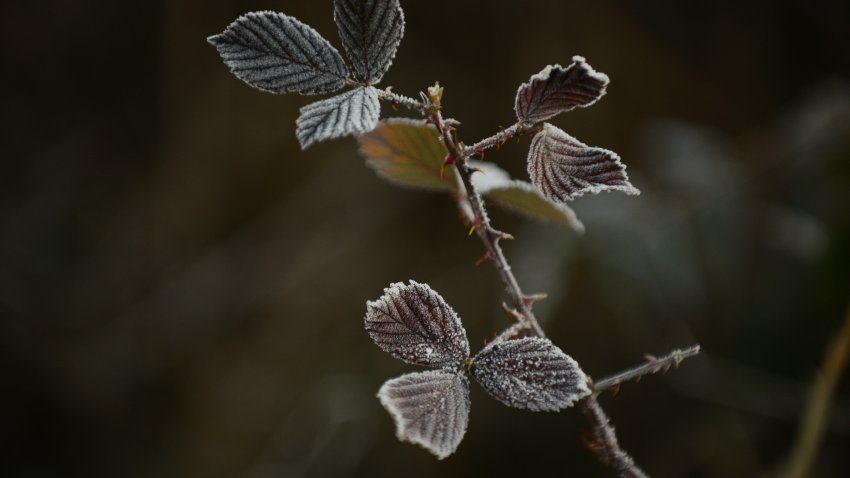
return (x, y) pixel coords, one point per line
(557, 89)
(353, 112)
(371, 31)
(430, 409)
(413, 323)
(564, 168)
(408, 153)
(520, 197)
(277, 53)
(530, 373)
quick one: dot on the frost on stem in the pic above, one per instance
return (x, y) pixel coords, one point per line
(564, 168)
(414, 324)
(530, 373)
(430, 409)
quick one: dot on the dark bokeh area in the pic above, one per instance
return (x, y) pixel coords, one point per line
(182, 289)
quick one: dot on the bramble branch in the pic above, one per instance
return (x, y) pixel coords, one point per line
(605, 444)
(497, 140)
(489, 235)
(652, 366)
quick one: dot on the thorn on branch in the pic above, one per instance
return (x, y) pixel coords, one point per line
(653, 365)
(512, 313)
(486, 257)
(529, 300)
(447, 161)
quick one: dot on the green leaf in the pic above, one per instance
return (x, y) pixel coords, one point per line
(521, 197)
(408, 153)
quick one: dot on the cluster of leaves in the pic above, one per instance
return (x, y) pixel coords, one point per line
(561, 166)
(278, 54)
(414, 323)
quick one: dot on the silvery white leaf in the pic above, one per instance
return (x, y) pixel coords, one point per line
(353, 112)
(557, 89)
(277, 53)
(430, 409)
(371, 31)
(413, 323)
(564, 168)
(530, 373)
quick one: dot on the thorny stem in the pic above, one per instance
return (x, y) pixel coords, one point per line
(401, 100)
(605, 444)
(493, 141)
(653, 365)
(489, 235)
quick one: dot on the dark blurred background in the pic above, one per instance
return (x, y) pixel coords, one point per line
(182, 289)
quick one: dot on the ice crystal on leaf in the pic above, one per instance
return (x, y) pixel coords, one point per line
(564, 168)
(371, 31)
(277, 53)
(430, 409)
(352, 112)
(530, 373)
(557, 89)
(413, 323)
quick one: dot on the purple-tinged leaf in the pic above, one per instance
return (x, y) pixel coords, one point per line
(408, 153)
(277, 53)
(557, 89)
(413, 323)
(353, 112)
(371, 31)
(564, 168)
(430, 409)
(530, 373)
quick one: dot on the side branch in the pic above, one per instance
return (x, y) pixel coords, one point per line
(493, 141)
(401, 100)
(652, 366)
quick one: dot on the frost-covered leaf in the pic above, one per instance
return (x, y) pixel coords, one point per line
(353, 112)
(408, 153)
(530, 373)
(279, 54)
(557, 89)
(413, 323)
(430, 409)
(564, 168)
(371, 31)
(520, 197)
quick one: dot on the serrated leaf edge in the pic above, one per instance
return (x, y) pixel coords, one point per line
(545, 73)
(398, 417)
